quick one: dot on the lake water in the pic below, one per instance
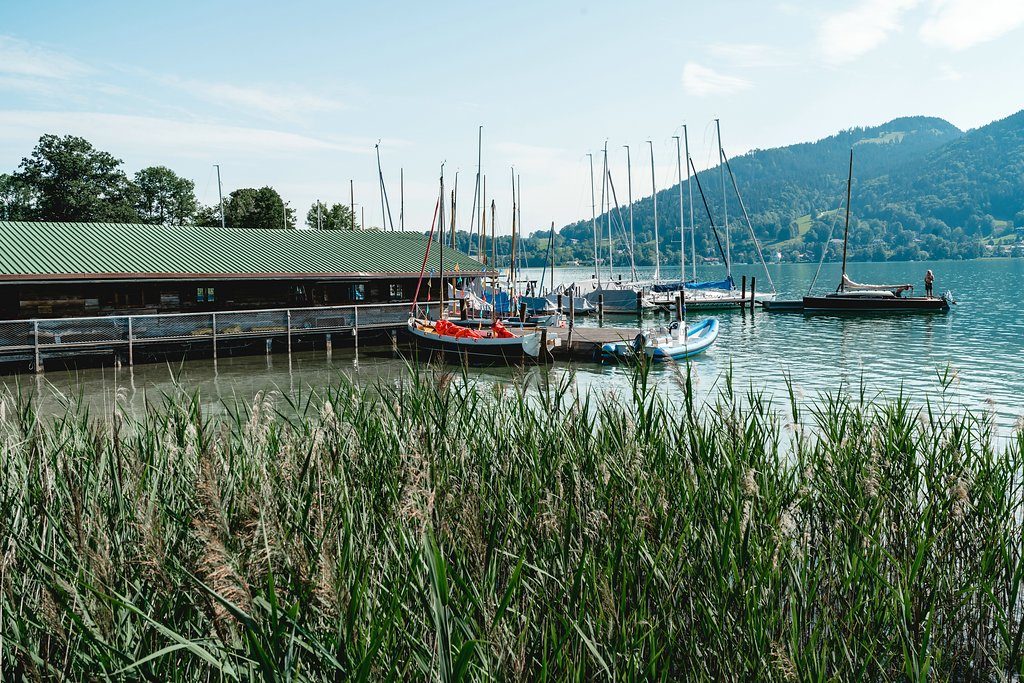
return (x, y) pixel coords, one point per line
(980, 342)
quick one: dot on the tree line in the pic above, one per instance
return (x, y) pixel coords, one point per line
(66, 178)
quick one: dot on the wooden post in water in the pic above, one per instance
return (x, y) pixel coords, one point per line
(679, 306)
(559, 303)
(600, 309)
(753, 285)
(522, 312)
(355, 325)
(572, 318)
(327, 340)
(35, 335)
(743, 292)
(544, 344)
(288, 316)
(463, 313)
(639, 305)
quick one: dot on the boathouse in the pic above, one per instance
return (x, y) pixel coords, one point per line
(59, 270)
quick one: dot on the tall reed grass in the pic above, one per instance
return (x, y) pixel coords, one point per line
(434, 529)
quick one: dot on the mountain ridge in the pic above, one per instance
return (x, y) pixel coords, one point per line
(922, 188)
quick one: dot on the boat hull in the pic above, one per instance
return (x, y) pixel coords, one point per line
(520, 350)
(699, 338)
(868, 304)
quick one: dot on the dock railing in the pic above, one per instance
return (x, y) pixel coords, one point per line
(35, 339)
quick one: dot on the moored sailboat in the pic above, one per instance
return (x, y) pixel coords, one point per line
(853, 297)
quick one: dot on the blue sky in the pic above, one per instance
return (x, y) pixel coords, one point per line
(295, 95)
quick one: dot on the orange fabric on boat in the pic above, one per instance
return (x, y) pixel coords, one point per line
(450, 329)
(500, 331)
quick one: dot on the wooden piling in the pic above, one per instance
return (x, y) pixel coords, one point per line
(572, 316)
(39, 356)
(679, 307)
(463, 312)
(559, 303)
(753, 284)
(743, 292)
(639, 304)
(544, 344)
(522, 312)
(288, 315)
(600, 309)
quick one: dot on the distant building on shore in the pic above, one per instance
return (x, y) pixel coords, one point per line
(53, 270)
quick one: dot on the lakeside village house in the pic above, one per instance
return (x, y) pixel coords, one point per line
(57, 270)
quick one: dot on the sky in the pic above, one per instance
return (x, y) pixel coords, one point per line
(296, 95)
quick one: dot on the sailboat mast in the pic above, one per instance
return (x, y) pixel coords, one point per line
(519, 221)
(629, 193)
(593, 217)
(380, 181)
(846, 228)
(440, 251)
(725, 203)
(551, 257)
(494, 249)
(606, 207)
(401, 199)
(689, 188)
(453, 223)
(682, 223)
(220, 197)
(654, 191)
(477, 193)
(512, 249)
(483, 218)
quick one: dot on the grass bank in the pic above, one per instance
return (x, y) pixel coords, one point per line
(433, 530)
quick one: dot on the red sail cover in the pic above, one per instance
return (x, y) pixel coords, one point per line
(450, 329)
(500, 331)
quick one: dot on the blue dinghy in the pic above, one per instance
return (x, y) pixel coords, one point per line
(666, 344)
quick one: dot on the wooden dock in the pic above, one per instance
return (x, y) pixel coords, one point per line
(584, 343)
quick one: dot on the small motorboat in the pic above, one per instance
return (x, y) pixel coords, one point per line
(497, 345)
(665, 344)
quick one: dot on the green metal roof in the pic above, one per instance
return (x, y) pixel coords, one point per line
(32, 251)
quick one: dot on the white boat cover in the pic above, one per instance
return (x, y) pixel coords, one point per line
(849, 285)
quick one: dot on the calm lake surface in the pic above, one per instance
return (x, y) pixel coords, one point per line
(981, 342)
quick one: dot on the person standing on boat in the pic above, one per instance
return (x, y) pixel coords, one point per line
(929, 280)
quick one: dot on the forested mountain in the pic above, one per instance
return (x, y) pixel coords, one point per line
(922, 189)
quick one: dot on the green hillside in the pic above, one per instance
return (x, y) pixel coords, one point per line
(922, 189)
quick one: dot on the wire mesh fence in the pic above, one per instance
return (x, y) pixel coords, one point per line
(113, 331)
(82, 331)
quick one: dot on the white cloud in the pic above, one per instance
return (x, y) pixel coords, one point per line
(846, 35)
(960, 24)
(749, 54)
(948, 73)
(280, 102)
(27, 59)
(701, 81)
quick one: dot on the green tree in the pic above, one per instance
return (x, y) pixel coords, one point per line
(250, 208)
(70, 180)
(165, 197)
(335, 217)
(207, 216)
(15, 199)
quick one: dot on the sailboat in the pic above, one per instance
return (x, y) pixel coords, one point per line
(619, 296)
(442, 339)
(712, 294)
(854, 297)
